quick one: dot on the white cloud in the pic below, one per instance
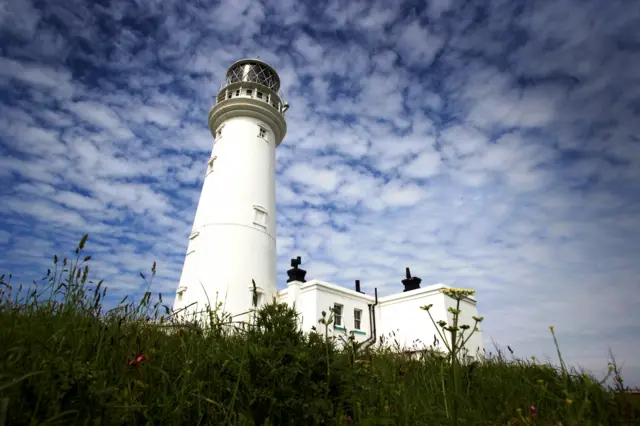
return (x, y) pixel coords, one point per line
(425, 165)
(418, 44)
(321, 180)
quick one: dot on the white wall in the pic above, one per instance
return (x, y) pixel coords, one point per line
(317, 296)
(401, 320)
(398, 313)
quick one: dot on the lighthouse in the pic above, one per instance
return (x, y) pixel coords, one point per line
(232, 244)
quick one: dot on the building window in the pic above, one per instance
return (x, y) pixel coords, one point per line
(262, 133)
(210, 164)
(238, 92)
(259, 94)
(337, 314)
(249, 92)
(260, 216)
(357, 319)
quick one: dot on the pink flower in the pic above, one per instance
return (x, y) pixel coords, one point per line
(533, 415)
(138, 360)
(533, 408)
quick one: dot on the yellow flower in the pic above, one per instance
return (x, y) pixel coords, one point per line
(569, 401)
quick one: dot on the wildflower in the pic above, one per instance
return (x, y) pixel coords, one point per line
(569, 401)
(550, 327)
(457, 292)
(540, 381)
(477, 319)
(348, 418)
(138, 360)
(427, 307)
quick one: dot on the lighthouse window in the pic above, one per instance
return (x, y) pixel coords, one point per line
(249, 92)
(180, 293)
(337, 314)
(259, 95)
(258, 298)
(238, 92)
(260, 216)
(212, 161)
(357, 319)
(219, 132)
(262, 133)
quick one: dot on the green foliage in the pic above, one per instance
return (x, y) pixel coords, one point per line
(65, 361)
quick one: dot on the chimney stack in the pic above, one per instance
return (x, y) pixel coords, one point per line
(411, 283)
(358, 287)
(296, 274)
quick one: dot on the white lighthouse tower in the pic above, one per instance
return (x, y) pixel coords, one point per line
(233, 238)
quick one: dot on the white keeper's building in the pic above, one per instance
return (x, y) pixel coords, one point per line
(232, 244)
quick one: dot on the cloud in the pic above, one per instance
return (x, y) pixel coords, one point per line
(316, 179)
(492, 146)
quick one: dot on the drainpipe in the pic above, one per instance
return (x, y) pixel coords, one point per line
(372, 320)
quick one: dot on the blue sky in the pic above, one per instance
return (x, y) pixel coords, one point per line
(487, 145)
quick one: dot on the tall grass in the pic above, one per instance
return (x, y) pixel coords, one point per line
(63, 360)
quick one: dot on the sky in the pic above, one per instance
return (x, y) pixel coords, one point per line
(492, 145)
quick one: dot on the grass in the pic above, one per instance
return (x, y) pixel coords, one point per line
(63, 360)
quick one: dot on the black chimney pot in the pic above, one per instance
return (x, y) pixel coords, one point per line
(296, 274)
(411, 283)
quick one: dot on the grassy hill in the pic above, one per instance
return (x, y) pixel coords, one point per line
(63, 360)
